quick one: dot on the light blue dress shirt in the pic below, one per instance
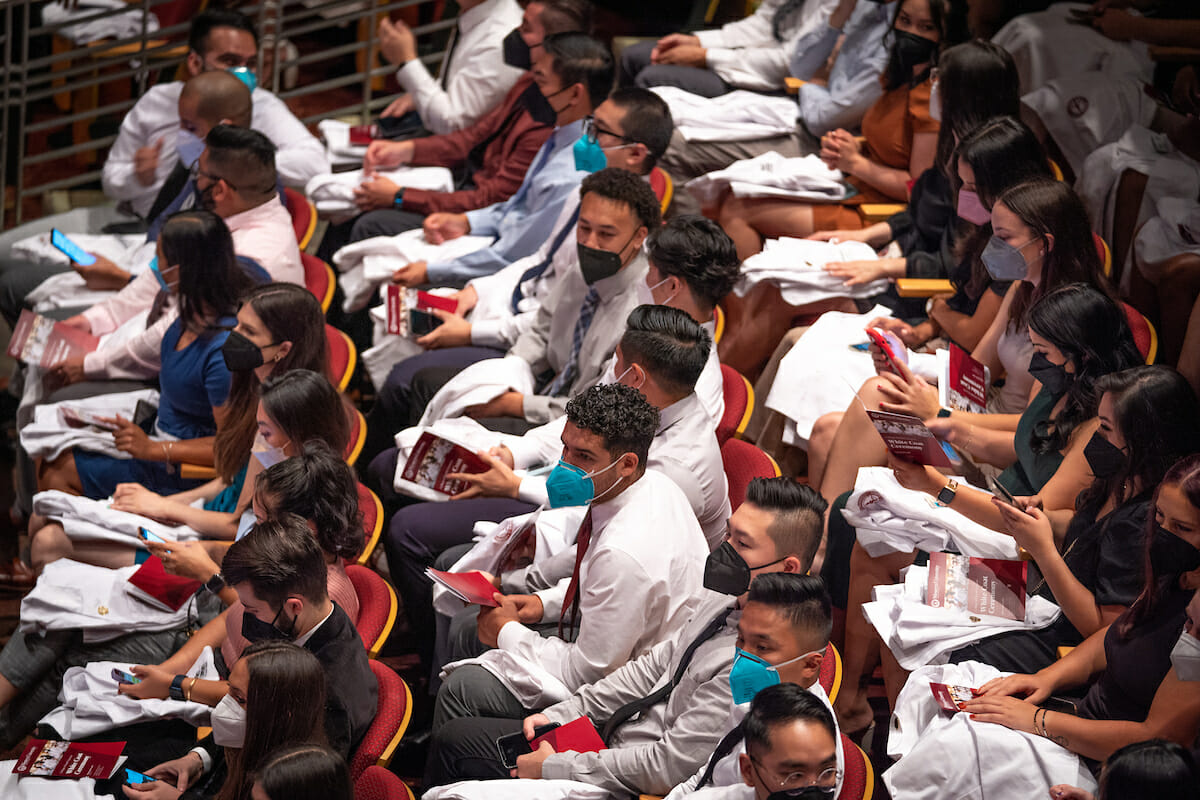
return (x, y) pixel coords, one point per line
(524, 221)
(854, 80)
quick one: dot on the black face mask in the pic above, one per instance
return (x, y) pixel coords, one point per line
(1052, 376)
(203, 197)
(908, 50)
(255, 630)
(1104, 458)
(538, 106)
(516, 52)
(725, 571)
(807, 793)
(596, 265)
(240, 353)
(1171, 555)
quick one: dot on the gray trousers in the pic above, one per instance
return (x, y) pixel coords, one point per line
(636, 70)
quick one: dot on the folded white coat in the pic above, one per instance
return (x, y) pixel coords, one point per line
(84, 519)
(797, 267)
(479, 383)
(367, 264)
(99, 601)
(821, 374)
(27, 787)
(734, 116)
(92, 705)
(771, 175)
(86, 29)
(337, 143)
(463, 431)
(892, 519)
(48, 437)
(517, 790)
(1175, 230)
(918, 634)
(333, 192)
(946, 755)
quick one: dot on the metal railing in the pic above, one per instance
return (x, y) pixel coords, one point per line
(49, 103)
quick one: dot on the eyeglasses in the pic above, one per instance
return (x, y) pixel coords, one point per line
(196, 172)
(593, 131)
(826, 781)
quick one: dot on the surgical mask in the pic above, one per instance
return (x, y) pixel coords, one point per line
(1172, 555)
(1104, 458)
(972, 209)
(246, 76)
(569, 485)
(589, 155)
(189, 146)
(240, 353)
(909, 50)
(725, 570)
(935, 102)
(596, 265)
(516, 52)
(1185, 657)
(1003, 261)
(1054, 377)
(751, 674)
(162, 282)
(228, 721)
(255, 630)
(267, 456)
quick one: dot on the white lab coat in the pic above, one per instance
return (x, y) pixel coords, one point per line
(772, 175)
(479, 383)
(796, 266)
(733, 117)
(333, 192)
(48, 437)
(83, 27)
(84, 519)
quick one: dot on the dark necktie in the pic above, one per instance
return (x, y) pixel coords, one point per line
(571, 599)
(536, 271)
(444, 70)
(566, 378)
(724, 748)
(635, 707)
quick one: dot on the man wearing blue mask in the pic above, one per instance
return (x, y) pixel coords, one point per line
(667, 709)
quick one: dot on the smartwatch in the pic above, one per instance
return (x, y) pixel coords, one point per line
(946, 495)
(398, 198)
(176, 690)
(215, 584)
(943, 412)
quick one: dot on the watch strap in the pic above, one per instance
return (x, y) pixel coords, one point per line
(398, 198)
(215, 584)
(946, 495)
(176, 690)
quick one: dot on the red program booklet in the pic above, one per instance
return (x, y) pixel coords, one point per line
(991, 586)
(49, 758)
(908, 439)
(40, 340)
(578, 735)
(950, 697)
(966, 382)
(401, 302)
(432, 459)
(470, 587)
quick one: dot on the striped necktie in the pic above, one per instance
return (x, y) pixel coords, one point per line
(570, 370)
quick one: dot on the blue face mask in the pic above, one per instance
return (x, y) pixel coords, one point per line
(1003, 261)
(189, 146)
(162, 282)
(246, 76)
(589, 155)
(568, 485)
(750, 674)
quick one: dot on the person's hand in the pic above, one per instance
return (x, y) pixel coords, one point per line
(145, 162)
(499, 481)
(131, 439)
(1118, 24)
(1031, 528)
(907, 393)
(466, 298)
(67, 371)
(399, 107)
(180, 772)
(79, 321)
(412, 274)
(376, 192)
(530, 764)
(840, 150)
(491, 620)
(1063, 791)
(897, 326)
(155, 683)
(531, 723)
(671, 41)
(453, 332)
(103, 275)
(137, 499)
(382, 154)
(916, 477)
(529, 608)
(397, 42)
(186, 559)
(684, 55)
(509, 404)
(158, 790)
(444, 226)
(1033, 688)
(854, 273)
(859, 235)
(1007, 711)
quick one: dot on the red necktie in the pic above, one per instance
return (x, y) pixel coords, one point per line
(571, 599)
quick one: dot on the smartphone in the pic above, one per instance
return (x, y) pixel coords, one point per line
(950, 452)
(133, 777)
(421, 322)
(121, 676)
(515, 744)
(150, 536)
(1004, 494)
(893, 349)
(861, 347)
(71, 250)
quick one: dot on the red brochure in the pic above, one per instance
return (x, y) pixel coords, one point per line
(967, 382)
(432, 458)
(951, 698)
(991, 586)
(908, 439)
(172, 590)
(577, 735)
(470, 587)
(40, 340)
(50, 758)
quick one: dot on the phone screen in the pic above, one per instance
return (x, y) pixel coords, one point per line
(861, 347)
(1004, 494)
(70, 249)
(133, 777)
(422, 322)
(515, 744)
(121, 676)
(151, 536)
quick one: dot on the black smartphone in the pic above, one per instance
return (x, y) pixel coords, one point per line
(421, 322)
(1004, 494)
(144, 415)
(515, 744)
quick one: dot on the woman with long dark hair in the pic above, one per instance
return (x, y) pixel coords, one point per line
(303, 772)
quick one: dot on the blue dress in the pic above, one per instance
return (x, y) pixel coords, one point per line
(193, 381)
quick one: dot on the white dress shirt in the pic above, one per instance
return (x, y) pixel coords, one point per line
(658, 576)
(746, 53)
(299, 156)
(476, 76)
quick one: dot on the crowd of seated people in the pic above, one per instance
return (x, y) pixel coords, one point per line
(685, 390)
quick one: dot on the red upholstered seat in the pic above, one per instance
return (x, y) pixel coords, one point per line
(342, 356)
(304, 215)
(739, 402)
(744, 462)
(830, 676)
(318, 279)
(372, 522)
(377, 606)
(377, 783)
(391, 720)
(858, 781)
(1144, 335)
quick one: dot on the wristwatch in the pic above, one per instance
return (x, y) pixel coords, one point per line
(943, 412)
(946, 495)
(398, 198)
(215, 584)
(176, 690)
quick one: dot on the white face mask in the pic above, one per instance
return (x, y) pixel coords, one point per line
(646, 293)
(189, 146)
(1185, 657)
(228, 722)
(267, 456)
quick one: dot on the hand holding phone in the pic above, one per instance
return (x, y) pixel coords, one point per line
(121, 676)
(515, 745)
(133, 777)
(889, 343)
(70, 249)
(1004, 494)
(150, 536)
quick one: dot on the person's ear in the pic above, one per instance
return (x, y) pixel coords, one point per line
(812, 664)
(628, 465)
(638, 154)
(195, 63)
(284, 348)
(744, 767)
(793, 564)
(1047, 243)
(639, 237)
(294, 606)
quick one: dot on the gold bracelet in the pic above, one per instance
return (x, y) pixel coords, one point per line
(187, 691)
